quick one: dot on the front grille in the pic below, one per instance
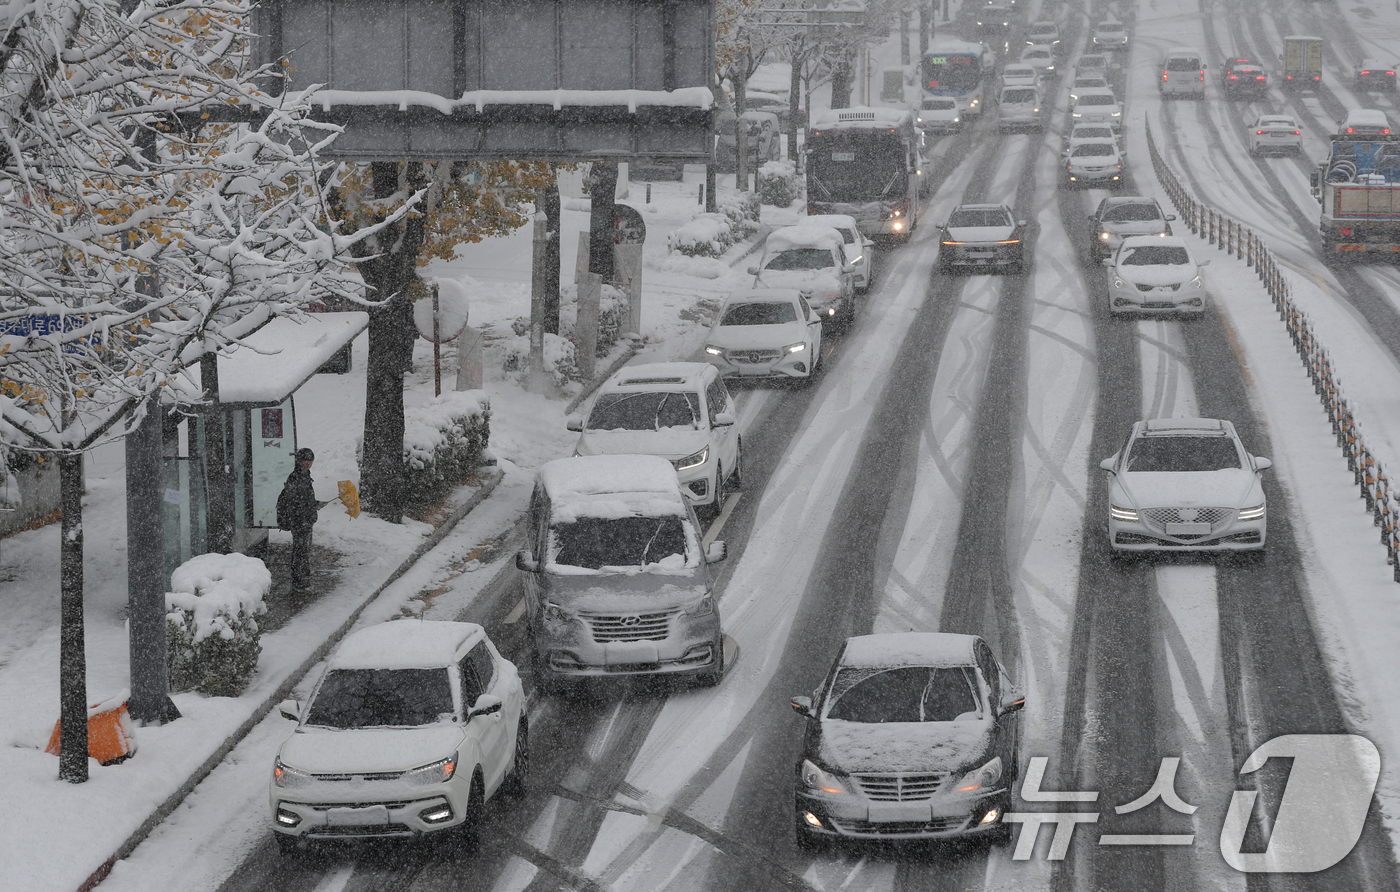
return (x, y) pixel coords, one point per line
(1212, 516)
(630, 626)
(897, 828)
(327, 806)
(900, 787)
(1141, 287)
(373, 830)
(336, 778)
(753, 356)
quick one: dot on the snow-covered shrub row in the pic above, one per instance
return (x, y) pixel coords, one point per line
(560, 361)
(710, 235)
(443, 442)
(778, 183)
(742, 209)
(212, 637)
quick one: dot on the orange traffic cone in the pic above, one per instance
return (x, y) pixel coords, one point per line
(111, 736)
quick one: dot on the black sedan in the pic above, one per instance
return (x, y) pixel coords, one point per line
(912, 735)
(1373, 74)
(1245, 79)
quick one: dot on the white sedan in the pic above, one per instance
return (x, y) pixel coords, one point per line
(1154, 273)
(1186, 484)
(766, 333)
(414, 726)
(1275, 133)
(859, 248)
(1096, 105)
(1094, 164)
(1017, 74)
(1041, 58)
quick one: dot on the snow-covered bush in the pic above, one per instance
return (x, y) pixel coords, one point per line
(443, 442)
(778, 184)
(742, 209)
(212, 637)
(708, 235)
(560, 360)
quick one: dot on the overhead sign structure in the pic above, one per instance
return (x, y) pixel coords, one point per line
(500, 79)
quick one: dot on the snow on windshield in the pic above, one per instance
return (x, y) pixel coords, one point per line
(1183, 454)
(763, 313)
(376, 698)
(652, 411)
(906, 694)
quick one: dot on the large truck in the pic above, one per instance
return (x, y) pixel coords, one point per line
(1358, 185)
(1302, 62)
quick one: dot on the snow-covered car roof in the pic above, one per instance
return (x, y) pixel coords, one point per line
(1095, 91)
(909, 649)
(655, 376)
(405, 644)
(1171, 426)
(799, 236)
(584, 476)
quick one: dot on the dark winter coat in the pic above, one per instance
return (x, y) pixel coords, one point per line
(296, 506)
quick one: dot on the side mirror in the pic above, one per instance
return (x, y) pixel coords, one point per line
(753, 270)
(717, 552)
(1261, 463)
(1110, 464)
(1203, 263)
(803, 707)
(722, 419)
(1169, 217)
(1012, 701)
(574, 423)
(1108, 261)
(486, 704)
(1020, 222)
(525, 561)
(290, 709)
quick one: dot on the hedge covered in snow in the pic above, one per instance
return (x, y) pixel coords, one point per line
(778, 183)
(212, 637)
(710, 235)
(443, 443)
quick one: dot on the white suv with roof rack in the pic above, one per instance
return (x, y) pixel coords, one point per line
(680, 411)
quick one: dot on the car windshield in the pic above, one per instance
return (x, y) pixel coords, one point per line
(1183, 64)
(597, 542)
(1110, 28)
(800, 258)
(1131, 213)
(903, 694)
(377, 698)
(645, 411)
(940, 104)
(764, 313)
(1096, 149)
(1016, 96)
(1156, 255)
(1184, 453)
(1104, 132)
(1093, 62)
(1276, 122)
(1043, 31)
(1097, 100)
(990, 217)
(1036, 55)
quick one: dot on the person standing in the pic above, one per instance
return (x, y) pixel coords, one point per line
(297, 512)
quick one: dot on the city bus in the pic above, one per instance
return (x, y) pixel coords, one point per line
(956, 69)
(865, 162)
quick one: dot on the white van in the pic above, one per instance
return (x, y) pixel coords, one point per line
(1183, 73)
(1018, 107)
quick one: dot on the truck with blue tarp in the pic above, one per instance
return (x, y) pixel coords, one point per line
(1358, 185)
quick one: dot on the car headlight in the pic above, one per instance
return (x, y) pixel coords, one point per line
(1116, 114)
(439, 772)
(814, 778)
(694, 460)
(713, 350)
(980, 778)
(1197, 281)
(703, 607)
(289, 778)
(553, 613)
(1252, 513)
(1104, 236)
(795, 348)
(1118, 282)
(1128, 515)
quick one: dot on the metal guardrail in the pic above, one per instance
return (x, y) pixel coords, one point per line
(1235, 238)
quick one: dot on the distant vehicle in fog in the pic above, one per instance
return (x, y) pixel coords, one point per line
(1372, 74)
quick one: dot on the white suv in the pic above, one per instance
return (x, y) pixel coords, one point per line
(414, 726)
(680, 411)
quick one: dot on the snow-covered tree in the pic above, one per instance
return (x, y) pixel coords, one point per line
(138, 235)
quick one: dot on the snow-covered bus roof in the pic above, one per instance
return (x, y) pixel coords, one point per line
(862, 117)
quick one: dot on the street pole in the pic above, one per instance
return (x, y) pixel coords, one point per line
(437, 348)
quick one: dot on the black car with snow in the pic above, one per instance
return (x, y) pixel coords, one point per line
(912, 735)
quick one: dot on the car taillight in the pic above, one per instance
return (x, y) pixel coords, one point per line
(1164, 75)
(1364, 73)
(1260, 77)
(1297, 133)
(1385, 131)
(1259, 132)
(1346, 232)
(1390, 74)
(1233, 78)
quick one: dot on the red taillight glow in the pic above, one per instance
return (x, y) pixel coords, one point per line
(1297, 133)
(1259, 132)
(1346, 232)
(1260, 77)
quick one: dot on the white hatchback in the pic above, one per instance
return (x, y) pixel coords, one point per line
(413, 727)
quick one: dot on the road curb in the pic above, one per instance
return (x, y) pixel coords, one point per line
(490, 478)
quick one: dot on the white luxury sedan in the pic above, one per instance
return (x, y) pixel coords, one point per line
(414, 726)
(1154, 273)
(766, 333)
(1186, 484)
(1275, 133)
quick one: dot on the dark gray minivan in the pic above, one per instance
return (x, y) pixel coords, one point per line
(616, 582)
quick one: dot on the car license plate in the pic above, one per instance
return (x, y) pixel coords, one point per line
(881, 812)
(1280, 135)
(1187, 529)
(369, 816)
(843, 156)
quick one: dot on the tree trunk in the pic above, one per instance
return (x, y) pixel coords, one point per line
(602, 220)
(904, 37)
(741, 126)
(145, 571)
(842, 80)
(552, 253)
(218, 475)
(72, 658)
(391, 335)
(794, 99)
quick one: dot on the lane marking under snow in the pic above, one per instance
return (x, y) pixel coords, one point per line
(713, 532)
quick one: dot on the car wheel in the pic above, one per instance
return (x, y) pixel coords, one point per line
(721, 493)
(469, 830)
(546, 680)
(736, 476)
(712, 678)
(287, 845)
(518, 781)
